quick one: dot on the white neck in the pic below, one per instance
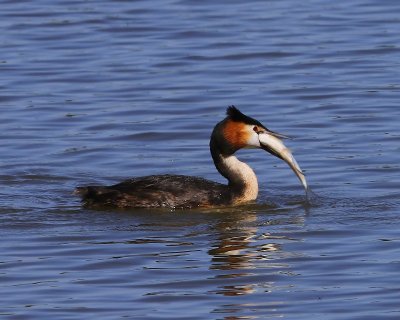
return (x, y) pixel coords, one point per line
(242, 178)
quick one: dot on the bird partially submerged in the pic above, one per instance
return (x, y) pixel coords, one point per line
(235, 132)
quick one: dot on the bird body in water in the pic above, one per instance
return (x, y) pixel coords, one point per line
(235, 132)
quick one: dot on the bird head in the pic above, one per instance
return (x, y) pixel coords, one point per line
(239, 131)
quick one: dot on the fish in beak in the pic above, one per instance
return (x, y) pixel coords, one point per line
(271, 141)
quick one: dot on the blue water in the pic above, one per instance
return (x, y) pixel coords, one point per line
(93, 92)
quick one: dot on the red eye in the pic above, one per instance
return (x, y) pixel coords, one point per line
(255, 129)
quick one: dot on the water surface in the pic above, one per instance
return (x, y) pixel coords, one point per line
(95, 92)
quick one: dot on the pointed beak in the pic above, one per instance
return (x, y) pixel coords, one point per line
(271, 142)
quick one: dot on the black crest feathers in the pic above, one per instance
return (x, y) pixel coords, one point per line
(235, 114)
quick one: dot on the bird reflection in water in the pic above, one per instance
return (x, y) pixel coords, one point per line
(240, 250)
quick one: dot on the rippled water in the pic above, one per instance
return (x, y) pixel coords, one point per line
(98, 91)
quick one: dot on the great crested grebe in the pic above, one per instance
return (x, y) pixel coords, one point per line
(235, 132)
